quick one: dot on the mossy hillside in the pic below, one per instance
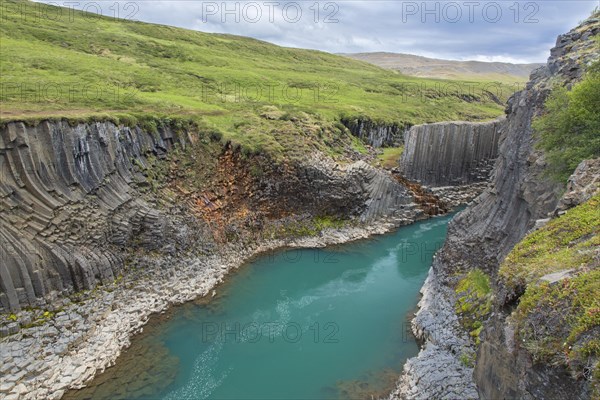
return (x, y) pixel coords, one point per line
(558, 323)
(291, 136)
(83, 67)
(474, 301)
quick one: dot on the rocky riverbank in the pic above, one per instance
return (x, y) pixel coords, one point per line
(84, 338)
(438, 372)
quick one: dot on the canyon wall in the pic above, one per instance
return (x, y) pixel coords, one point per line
(148, 218)
(76, 201)
(451, 153)
(375, 134)
(521, 194)
(480, 237)
(68, 206)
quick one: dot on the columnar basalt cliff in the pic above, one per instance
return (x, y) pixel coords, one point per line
(69, 208)
(479, 238)
(451, 153)
(72, 207)
(373, 133)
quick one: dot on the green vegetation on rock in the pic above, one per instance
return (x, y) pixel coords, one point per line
(474, 301)
(567, 242)
(468, 359)
(569, 128)
(559, 323)
(558, 317)
(327, 222)
(305, 227)
(390, 156)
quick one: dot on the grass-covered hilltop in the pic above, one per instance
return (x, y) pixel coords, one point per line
(62, 63)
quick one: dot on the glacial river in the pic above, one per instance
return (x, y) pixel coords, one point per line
(295, 324)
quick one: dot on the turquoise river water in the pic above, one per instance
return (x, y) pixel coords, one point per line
(295, 324)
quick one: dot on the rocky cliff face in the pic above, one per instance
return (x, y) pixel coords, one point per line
(69, 207)
(375, 134)
(75, 201)
(484, 234)
(520, 192)
(450, 153)
(506, 364)
(481, 237)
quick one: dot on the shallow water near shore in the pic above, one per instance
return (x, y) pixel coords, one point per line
(294, 324)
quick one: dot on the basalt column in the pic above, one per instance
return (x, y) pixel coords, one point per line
(451, 153)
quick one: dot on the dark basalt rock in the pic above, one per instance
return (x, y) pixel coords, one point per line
(375, 134)
(69, 207)
(450, 153)
(75, 201)
(519, 194)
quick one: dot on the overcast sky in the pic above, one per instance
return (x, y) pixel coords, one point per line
(510, 31)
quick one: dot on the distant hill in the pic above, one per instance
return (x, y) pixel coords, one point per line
(412, 65)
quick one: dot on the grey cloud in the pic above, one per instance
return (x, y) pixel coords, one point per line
(394, 26)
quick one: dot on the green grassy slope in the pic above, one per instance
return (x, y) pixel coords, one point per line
(76, 65)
